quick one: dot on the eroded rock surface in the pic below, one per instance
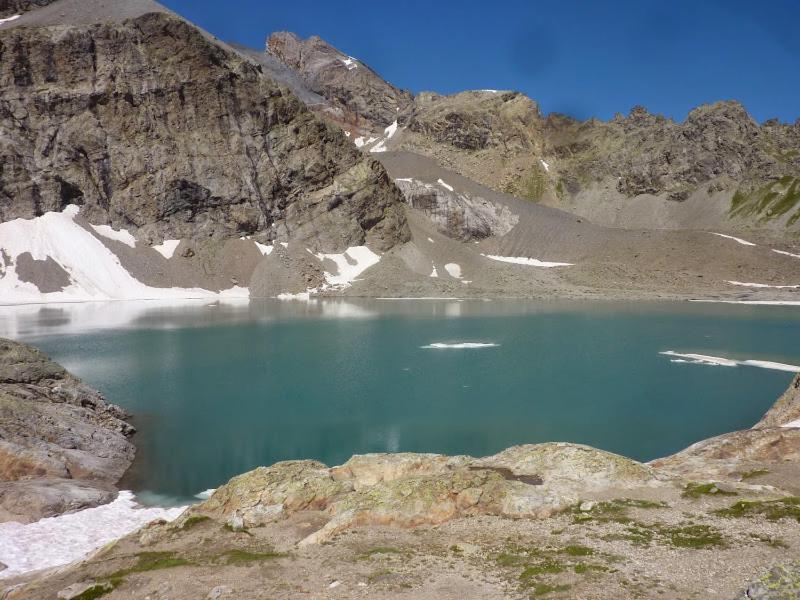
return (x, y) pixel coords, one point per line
(62, 447)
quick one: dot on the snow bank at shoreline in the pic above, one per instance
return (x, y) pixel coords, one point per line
(57, 541)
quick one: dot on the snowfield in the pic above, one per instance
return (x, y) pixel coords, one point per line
(95, 272)
(57, 541)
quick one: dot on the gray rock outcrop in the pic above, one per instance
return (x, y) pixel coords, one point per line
(62, 447)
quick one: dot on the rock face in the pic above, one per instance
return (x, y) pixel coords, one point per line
(460, 216)
(62, 447)
(14, 7)
(408, 490)
(347, 83)
(152, 126)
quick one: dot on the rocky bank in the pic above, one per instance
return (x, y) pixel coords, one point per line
(62, 446)
(718, 520)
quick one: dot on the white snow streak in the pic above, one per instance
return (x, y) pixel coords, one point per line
(167, 249)
(349, 62)
(445, 185)
(764, 285)
(434, 273)
(9, 19)
(56, 541)
(735, 239)
(786, 253)
(121, 236)
(390, 130)
(531, 262)
(545, 165)
(717, 361)
(792, 424)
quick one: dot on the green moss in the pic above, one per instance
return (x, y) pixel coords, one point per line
(542, 589)
(577, 550)
(693, 536)
(243, 557)
(541, 568)
(98, 590)
(582, 568)
(753, 474)
(770, 201)
(696, 490)
(613, 511)
(772, 510)
(634, 534)
(152, 561)
(194, 520)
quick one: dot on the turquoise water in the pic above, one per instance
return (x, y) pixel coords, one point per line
(217, 390)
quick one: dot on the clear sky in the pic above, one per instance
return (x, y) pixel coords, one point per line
(580, 57)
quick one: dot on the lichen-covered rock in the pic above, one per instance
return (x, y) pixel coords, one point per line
(408, 490)
(779, 583)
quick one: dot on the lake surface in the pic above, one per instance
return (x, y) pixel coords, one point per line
(219, 389)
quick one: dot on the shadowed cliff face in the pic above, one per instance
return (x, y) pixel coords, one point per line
(151, 126)
(14, 7)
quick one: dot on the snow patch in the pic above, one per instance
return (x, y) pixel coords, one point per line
(453, 269)
(381, 147)
(531, 262)
(349, 62)
(359, 141)
(792, 424)
(264, 249)
(753, 302)
(350, 264)
(764, 285)
(786, 253)
(717, 361)
(121, 236)
(545, 165)
(167, 248)
(9, 19)
(57, 541)
(390, 130)
(206, 494)
(434, 273)
(94, 271)
(445, 185)
(735, 239)
(459, 346)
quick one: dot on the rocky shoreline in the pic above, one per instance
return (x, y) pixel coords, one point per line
(62, 446)
(557, 519)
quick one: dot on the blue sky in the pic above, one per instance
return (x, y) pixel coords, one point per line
(580, 57)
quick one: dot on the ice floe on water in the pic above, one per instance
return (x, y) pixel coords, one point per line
(167, 248)
(89, 270)
(121, 236)
(718, 361)
(57, 541)
(735, 239)
(752, 302)
(459, 345)
(531, 262)
(764, 285)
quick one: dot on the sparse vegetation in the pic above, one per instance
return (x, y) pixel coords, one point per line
(772, 510)
(243, 557)
(753, 474)
(194, 520)
(770, 201)
(152, 561)
(696, 490)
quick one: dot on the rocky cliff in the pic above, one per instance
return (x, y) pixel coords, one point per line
(354, 90)
(717, 168)
(62, 447)
(153, 126)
